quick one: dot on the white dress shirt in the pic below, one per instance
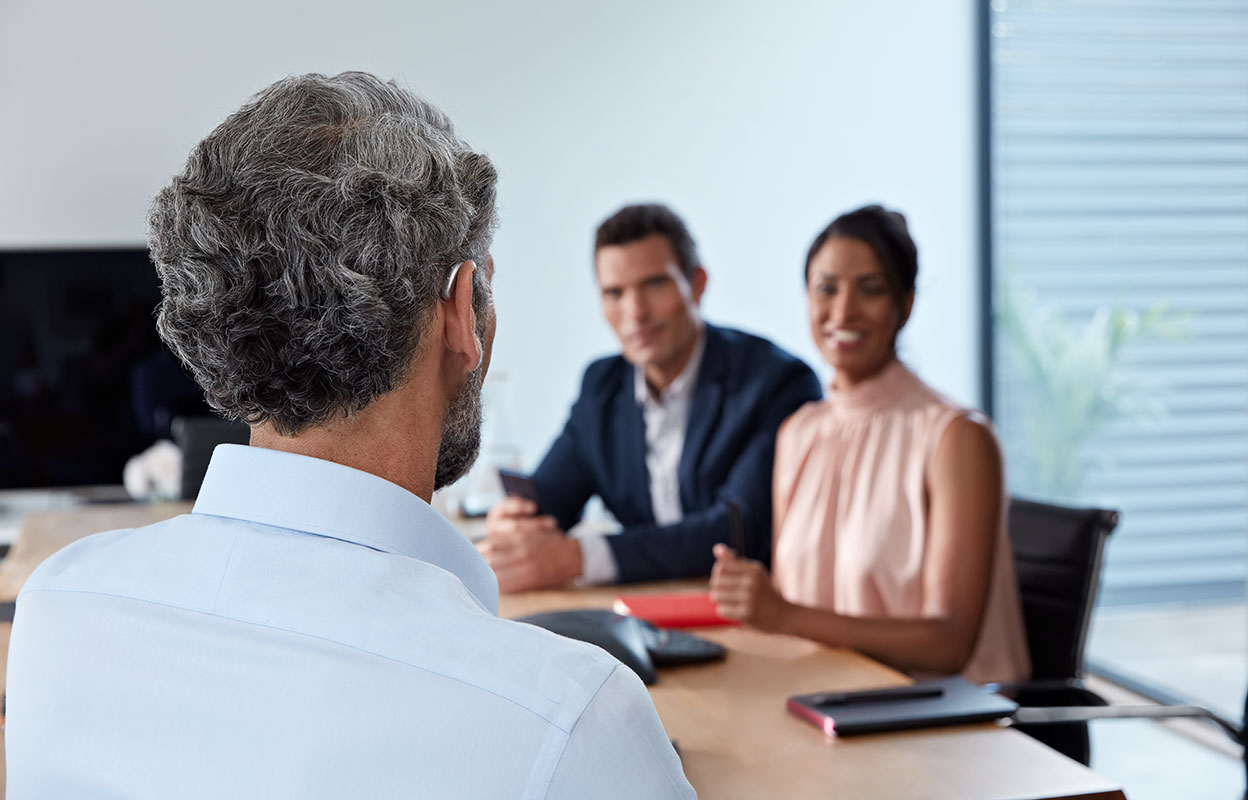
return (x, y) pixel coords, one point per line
(666, 419)
(309, 631)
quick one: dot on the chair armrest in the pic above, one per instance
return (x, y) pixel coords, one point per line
(1055, 714)
(1067, 692)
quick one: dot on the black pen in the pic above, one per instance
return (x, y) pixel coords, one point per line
(736, 530)
(915, 692)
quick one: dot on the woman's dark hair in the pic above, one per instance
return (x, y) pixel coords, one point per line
(886, 233)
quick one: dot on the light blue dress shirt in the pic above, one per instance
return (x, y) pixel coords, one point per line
(308, 631)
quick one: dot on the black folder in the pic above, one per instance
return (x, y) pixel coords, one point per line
(944, 701)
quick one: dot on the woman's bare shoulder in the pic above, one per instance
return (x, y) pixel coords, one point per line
(967, 441)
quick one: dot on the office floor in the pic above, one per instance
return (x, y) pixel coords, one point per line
(1200, 651)
(1197, 650)
(1150, 762)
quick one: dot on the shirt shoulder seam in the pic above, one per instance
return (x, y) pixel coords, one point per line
(563, 749)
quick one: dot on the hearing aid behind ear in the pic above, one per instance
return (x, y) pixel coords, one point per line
(446, 295)
(450, 281)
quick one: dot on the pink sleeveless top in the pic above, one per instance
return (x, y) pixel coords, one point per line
(851, 513)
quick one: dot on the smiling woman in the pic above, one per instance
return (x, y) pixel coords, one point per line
(855, 316)
(860, 274)
(889, 530)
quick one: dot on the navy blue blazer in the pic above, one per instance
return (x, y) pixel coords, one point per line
(746, 387)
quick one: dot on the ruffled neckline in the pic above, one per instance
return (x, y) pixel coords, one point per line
(887, 388)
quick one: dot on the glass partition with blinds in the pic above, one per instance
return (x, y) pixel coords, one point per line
(1118, 174)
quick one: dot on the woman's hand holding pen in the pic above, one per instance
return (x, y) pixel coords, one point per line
(742, 590)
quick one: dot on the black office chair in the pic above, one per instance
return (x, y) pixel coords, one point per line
(1057, 555)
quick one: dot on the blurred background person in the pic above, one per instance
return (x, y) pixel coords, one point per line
(675, 434)
(889, 499)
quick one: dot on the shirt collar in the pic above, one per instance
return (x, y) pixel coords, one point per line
(323, 498)
(681, 386)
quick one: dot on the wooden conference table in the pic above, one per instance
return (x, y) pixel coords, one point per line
(735, 737)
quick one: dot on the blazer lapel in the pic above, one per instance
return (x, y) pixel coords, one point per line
(628, 448)
(704, 412)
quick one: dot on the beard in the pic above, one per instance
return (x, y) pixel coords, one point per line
(461, 433)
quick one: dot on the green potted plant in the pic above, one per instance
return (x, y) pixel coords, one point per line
(1076, 382)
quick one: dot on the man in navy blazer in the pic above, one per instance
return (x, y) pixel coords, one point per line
(676, 434)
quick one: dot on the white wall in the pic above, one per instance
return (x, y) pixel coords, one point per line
(757, 122)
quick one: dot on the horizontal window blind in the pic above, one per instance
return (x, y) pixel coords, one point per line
(1119, 175)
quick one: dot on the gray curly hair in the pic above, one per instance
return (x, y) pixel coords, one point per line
(303, 249)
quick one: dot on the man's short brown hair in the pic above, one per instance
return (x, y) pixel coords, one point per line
(636, 222)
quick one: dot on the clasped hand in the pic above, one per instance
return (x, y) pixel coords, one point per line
(527, 551)
(742, 590)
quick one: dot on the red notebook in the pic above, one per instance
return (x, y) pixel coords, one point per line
(672, 610)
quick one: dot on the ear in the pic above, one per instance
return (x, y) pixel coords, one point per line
(698, 283)
(460, 322)
(906, 307)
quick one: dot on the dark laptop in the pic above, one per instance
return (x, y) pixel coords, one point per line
(198, 437)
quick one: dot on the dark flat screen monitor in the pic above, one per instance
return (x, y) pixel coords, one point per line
(85, 382)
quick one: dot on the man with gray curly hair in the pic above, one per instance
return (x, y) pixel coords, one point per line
(313, 628)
